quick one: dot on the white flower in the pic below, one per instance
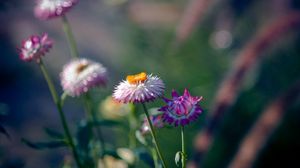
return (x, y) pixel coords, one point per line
(139, 88)
(80, 75)
(47, 9)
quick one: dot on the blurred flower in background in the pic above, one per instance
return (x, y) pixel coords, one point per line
(47, 9)
(80, 75)
(109, 108)
(156, 120)
(111, 162)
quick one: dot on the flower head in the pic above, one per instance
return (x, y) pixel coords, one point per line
(139, 88)
(47, 9)
(181, 110)
(35, 47)
(112, 109)
(80, 75)
(156, 121)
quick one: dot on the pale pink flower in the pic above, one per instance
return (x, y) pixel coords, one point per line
(139, 88)
(80, 75)
(47, 9)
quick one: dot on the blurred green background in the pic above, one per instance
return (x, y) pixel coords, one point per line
(130, 36)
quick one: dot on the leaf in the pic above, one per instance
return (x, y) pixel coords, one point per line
(45, 145)
(3, 131)
(84, 135)
(53, 133)
(107, 123)
(178, 156)
(140, 137)
(154, 111)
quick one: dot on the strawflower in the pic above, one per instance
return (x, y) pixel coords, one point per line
(181, 110)
(47, 9)
(80, 75)
(112, 109)
(35, 47)
(139, 88)
(156, 121)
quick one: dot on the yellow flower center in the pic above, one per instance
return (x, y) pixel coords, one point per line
(134, 79)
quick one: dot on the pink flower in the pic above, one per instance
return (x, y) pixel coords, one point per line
(181, 110)
(35, 47)
(139, 88)
(156, 120)
(80, 75)
(47, 9)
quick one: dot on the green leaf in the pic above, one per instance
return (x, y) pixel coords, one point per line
(107, 123)
(3, 131)
(178, 156)
(53, 133)
(140, 137)
(45, 145)
(84, 136)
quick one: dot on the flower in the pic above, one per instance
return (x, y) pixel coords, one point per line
(111, 162)
(156, 120)
(181, 110)
(47, 9)
(35, 47)
(112, 109)
(80, 75)
(126, 155)
(139, 88)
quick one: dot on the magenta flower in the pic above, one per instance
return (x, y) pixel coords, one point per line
(35, 47)
(181, 110)
(47, 9)
(139, 88)
(80, 75)
(156, 121)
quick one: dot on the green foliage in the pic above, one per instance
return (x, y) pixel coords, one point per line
(45, 145)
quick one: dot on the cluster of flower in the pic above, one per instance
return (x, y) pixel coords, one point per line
(80, 75)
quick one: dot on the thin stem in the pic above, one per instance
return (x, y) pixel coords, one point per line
(63, 97)
(154, 155)
(92, 118)
(70, 37)
(152, 131)
(183, 154)
(132, 126)
(57, 102)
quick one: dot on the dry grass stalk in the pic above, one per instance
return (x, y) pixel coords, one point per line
(263, 128)
(229, 89)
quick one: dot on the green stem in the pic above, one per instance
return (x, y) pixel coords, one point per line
(152, 131)
(132, 126)
(70, 37)
(154, 155)
(57, 102)
(92, 118)
(63, 97)
(183, 154)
